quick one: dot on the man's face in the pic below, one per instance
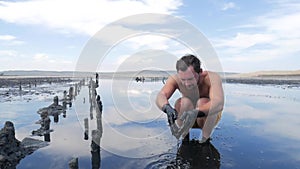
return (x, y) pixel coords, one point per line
(188, 78)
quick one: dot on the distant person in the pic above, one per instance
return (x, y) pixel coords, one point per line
(202, 99)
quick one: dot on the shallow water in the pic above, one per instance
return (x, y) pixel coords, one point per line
(258, 129)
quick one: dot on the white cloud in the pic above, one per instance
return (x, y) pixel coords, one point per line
(121, 59)
(265, 39)
(243, 40)
(7, 37)
(40, 56)
(10, 40)
(229, 5)
(282, 19)
(8, 53)
(79, 16)
(144, 51)
(150, 41)
(41, 61)
(15, 42)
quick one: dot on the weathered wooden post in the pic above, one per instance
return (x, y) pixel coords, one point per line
(97, 80)
(45, 121)
(55, 101)
(71, 92)
(20, 86)
(76, 90)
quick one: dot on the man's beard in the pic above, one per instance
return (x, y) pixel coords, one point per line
(192, 86)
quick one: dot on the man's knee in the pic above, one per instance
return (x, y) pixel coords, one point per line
(183, 104)
(202, 101)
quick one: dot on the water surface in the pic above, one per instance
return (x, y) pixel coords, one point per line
(258, 129)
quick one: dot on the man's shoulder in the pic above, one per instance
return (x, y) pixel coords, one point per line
(173, 76)
(210, 73)
(211, 76)
(173, 79)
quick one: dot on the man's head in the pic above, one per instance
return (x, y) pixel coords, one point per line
(187, 61)
(188, 69)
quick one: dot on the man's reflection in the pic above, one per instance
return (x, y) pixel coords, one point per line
(200, 156)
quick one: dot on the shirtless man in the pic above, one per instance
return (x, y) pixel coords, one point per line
(202, 98)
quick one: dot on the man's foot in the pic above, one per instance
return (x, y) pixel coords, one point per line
(204, 140)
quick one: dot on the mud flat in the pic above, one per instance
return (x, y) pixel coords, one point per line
(30, 87)
(264, 81)
(16, 81)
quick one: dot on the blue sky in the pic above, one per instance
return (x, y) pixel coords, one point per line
(247, 36)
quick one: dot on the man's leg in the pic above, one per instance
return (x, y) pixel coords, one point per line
(181, 105)
(206, 123)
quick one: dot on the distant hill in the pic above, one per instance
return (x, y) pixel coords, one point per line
(291, 78)
(266, 74)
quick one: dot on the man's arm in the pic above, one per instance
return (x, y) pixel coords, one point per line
(216, 94)
(166, 92)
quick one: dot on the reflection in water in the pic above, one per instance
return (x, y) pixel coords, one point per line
(95, 104)
(86, 128)
(189, 155)
(47, 137)
(55, 117)
(200, 156)
(95, 149)
(44, 130)
(54, 110)
(250, 118)
(91, 111)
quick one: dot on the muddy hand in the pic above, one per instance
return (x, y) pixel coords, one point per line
(175, 130)
(171, 113)
(188, 118)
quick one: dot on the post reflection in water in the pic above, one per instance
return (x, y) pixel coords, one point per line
(47, 137)
(95, 104)
(91, 111)
(96, 136)
(55, 117)
(86, 128)
(200, 156)
(54, 109)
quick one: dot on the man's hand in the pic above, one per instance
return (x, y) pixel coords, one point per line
(188, 118)
(171, 112)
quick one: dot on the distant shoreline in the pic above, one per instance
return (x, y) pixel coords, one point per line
(266, 77)
(264, 81)
(260, 78)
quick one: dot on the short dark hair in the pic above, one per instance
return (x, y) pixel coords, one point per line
(188, 60)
